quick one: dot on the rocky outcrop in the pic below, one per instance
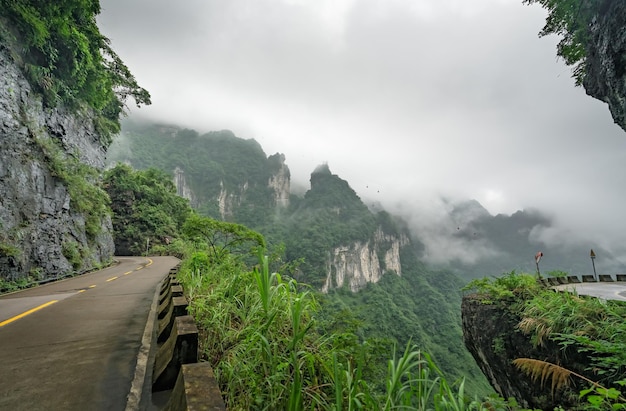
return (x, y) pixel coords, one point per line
(491, 335)
(279, 181)
(605, 64)
(227, 201)
(182, 188)
(358, 264)
(42, 234)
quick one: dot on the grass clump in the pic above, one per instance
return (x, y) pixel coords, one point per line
(510, 286)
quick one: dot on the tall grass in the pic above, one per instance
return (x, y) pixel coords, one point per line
(259, 334)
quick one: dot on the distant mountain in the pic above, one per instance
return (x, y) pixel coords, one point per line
(513, 240)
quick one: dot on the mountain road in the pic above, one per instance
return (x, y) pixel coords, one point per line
(603, 290)
(75, 344)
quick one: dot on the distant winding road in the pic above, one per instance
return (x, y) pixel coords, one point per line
(74, 344)
(606, 291)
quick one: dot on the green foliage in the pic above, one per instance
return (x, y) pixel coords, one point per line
(68, 60)
(222, 237)
(146, 208)
(601, 398)
(420, 307)
(81, 181)
(594, 326)
(71, 251)
(260, 336)
(8, 286)
(506, 288)
(9, 250)
(570, 19)
(214, 164)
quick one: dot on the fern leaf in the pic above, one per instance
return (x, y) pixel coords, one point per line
(544, 371)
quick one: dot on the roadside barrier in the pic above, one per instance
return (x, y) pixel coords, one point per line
(586, 278)
(179, 381)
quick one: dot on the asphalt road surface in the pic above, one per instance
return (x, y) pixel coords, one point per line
(74, 344)
(606, 291)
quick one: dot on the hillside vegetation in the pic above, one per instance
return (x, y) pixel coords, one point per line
(548, 348)
(418, 306)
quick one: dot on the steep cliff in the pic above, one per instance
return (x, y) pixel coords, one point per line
(280, 180)
(360, 263)
(45, 230)
(605, 67)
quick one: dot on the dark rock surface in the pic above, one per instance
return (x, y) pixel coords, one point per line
(36, 212)
(605, 66)
(491, 335)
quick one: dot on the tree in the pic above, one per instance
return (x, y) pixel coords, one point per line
(145, 208)
(222, 237)
(570, 19)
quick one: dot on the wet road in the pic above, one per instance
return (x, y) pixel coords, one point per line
(607, 291)
(73, 344)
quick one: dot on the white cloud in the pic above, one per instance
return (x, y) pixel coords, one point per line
(410, 97)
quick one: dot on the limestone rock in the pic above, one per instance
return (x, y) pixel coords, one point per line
(359, 264)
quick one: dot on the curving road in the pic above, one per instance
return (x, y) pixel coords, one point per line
(75, 344)
(606, 291)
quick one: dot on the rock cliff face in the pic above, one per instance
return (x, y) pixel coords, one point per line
(280, 181)
(182, 187)
(361, 263)
(605, 66)
(41, 233)
(492, 337)
(228, 200)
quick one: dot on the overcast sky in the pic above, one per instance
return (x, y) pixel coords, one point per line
(407, 100)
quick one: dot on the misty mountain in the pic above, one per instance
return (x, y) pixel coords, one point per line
(511, 242)
(230, 178)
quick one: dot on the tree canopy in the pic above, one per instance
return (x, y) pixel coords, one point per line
(146, 208)
(67, 59)
(569, 19)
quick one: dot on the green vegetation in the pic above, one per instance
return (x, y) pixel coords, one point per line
(80, 179)
(570, 19)
(593, 326)
(261, 335)
(419, 307)
(71, 251)
(221, 237)
(146, 209)
(67, 59)
(9, 250)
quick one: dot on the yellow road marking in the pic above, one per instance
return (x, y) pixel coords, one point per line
(149, 262)
(25, 313)
(111, 279)
(82, 291)
(138, 268)
(128, 272)
(92, 286)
